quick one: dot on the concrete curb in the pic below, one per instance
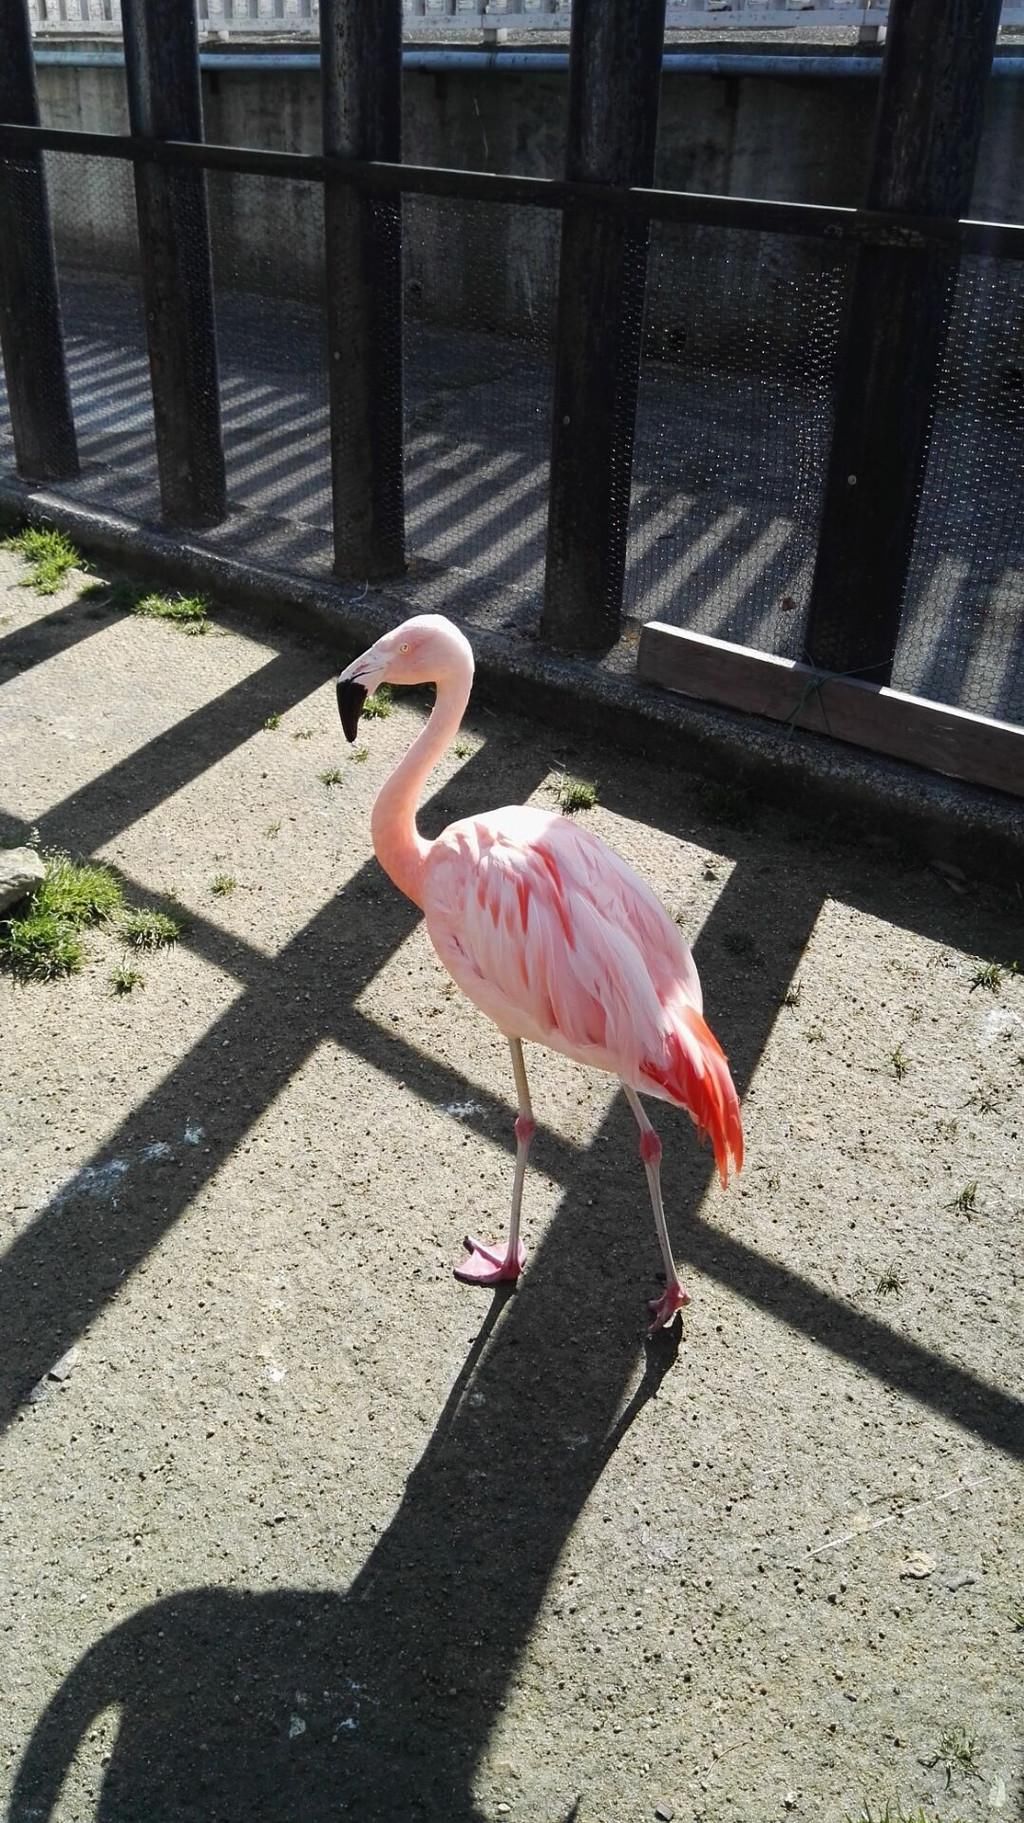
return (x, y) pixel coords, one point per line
(853, 792)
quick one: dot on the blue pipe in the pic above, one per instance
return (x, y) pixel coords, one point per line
(502, 61)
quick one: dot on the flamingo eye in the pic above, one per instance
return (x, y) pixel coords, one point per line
(404, 647)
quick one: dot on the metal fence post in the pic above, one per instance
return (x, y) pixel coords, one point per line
(361, 63)
(165, 102)
(614, 79)
(937, 61)
(30, 319)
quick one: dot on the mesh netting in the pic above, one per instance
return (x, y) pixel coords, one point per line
(93, 212)
(962, 633)
(480, 283)
(267, 238)
(735, 414)
(733, 431)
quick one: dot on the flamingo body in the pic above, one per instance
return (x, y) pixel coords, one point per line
(560, 943)
(551, 935)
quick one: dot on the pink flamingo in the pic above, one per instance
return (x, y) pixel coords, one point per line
(551, 935)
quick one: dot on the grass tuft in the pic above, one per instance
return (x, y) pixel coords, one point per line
(150, 929)
(41, 943)
(957, 1752)
(222, 884)
(378, 707)
(189, 612)
(333, 776)
(39, 946)
(891, 1282)
(360, 754)
(272, 722)
(965, 1202)
(49, 555)
(894, 1812)
(572, 794)
(80, 892)
(125, 979)
(990, 975)
(900, 1063)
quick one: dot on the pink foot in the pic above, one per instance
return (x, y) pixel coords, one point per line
(663, 1309)
(490, 1265)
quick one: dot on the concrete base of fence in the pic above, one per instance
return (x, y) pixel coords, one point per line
(843, 792)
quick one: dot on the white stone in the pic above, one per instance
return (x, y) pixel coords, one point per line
(21, 870)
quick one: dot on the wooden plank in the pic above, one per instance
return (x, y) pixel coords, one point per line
(31, 335)
(164, 102)
(614, 79)
(944, 739)
(937, 62)
(361, 53)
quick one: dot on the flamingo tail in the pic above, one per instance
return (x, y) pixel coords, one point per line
(695, 1074)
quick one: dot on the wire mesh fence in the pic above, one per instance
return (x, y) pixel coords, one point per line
(742, 336)
(733, 432)
(962, 633)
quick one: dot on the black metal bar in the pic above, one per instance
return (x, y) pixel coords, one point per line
(937, 62)
(614, 79)
(817, 221)
(164, 102)
(31, 336)
(361, 60)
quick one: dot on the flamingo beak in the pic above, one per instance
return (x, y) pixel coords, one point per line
(351, 697)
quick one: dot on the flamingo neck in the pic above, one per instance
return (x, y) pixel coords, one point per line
(397, 843)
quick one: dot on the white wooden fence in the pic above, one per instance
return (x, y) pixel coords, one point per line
(242, 19)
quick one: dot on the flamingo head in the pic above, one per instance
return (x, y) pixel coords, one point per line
(428, 649)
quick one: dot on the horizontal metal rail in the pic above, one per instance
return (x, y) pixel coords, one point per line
(244, 19)
(788, 66)
(816, 221)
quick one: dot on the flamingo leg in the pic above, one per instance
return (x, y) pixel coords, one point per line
(674, 1297)
(489, 1265)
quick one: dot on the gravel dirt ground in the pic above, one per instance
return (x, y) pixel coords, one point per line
(293, 1527)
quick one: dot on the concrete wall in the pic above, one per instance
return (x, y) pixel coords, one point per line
(794, 140)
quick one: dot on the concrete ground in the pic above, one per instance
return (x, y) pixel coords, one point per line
(295, 1527)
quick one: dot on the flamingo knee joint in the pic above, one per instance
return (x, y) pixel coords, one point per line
(650, 1147)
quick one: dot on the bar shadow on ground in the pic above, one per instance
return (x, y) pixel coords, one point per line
(448, 1597)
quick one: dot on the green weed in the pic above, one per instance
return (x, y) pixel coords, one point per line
(891, 1282)
(572, 794)
(957, 1752)
(150, 929)
(189, 612)
(49, 555)
(378, 706)
(79, 892)
(125, 979)
(222, 884)
(39, 946)
(965, 1202)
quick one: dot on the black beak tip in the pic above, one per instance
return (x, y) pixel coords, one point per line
(351, 697)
